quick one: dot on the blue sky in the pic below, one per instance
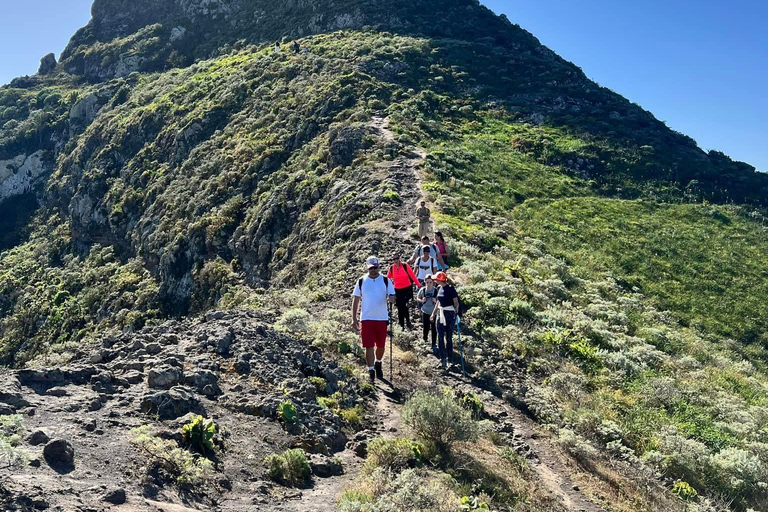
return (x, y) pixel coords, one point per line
(701, 66)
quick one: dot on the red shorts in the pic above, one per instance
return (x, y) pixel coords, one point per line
(374, 333)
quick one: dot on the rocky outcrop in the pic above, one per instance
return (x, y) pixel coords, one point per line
(151, 35)
(47, 64)
(80, 417)
(20, 174)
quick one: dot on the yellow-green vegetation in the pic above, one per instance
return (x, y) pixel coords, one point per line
(177, 464)
(199, 433)
(10, 439)
(396, 454)
(286, 412)
(585, 308)
(290, 467)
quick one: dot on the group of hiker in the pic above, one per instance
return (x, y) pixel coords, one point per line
(437, 298)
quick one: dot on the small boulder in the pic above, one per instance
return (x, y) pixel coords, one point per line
(324, 466)
(38, 437)
(115, 496)
(171, 404)
(164, 377)
(59, 454)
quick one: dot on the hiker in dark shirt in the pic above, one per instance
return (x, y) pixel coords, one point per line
(444, 316)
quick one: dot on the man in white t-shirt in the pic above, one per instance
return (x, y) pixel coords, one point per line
(426, 265)
(374, 291)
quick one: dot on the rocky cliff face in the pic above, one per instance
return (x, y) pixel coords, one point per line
(124, 37)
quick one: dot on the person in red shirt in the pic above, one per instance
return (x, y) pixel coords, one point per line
(403, 277)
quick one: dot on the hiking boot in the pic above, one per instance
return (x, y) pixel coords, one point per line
(372, 376)
(379, 371)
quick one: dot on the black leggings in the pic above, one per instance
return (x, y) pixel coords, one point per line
(428, 326)
(402, 297)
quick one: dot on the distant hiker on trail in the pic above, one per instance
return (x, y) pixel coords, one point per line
(295, 47)
(427, 297)
(277, 47)
(424, 216)
(374, 291)
(419, 251)
(444, 316)
(426, 265)
(442, 248)
(404, 279)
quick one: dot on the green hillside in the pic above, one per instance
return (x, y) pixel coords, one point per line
(614, 271)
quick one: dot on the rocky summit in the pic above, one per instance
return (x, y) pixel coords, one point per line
(187, 199)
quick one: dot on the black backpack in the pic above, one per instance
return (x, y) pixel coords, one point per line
(386, 286)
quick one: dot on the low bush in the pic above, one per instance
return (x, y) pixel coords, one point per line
(353, 416)
(10, 438)
(395, 454)
(167, 458)
(412, 489)
(290, 467)
(439, 420)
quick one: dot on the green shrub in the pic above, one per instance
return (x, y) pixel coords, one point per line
(390, 196)
(199, 434)
(319, 384)
(287, 412)
(294, 321)
(328, 402)
(684, 491)
(438, 419)
(394, 454)
(353, 415)
(290, 468)
(10, 438)
(473, 404)
(410, 490)
(184, 467)
(472, 503)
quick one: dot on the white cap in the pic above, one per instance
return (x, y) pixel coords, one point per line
(372, 261)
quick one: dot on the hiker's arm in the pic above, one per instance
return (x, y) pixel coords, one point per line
(440, 259)
(456, 305)
(355, 309)
(391, 299)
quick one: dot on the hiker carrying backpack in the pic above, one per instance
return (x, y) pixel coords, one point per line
(404, 279)
(444, 316)
(427, 298)
(426, 265)
(372, 291)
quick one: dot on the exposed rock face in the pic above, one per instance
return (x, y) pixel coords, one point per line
(181, 31)
(47, 64)
(20, 174)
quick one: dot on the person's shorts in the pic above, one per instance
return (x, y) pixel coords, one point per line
(373, 333)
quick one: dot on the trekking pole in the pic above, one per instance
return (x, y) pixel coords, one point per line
(391, 340)
(461, 347)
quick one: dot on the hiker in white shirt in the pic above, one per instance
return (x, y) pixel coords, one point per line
(373, 291)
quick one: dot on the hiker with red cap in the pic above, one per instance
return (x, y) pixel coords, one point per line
(444, 316)
(373, 291)
(404, 279)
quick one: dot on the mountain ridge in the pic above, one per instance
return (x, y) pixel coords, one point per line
(609, 266)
